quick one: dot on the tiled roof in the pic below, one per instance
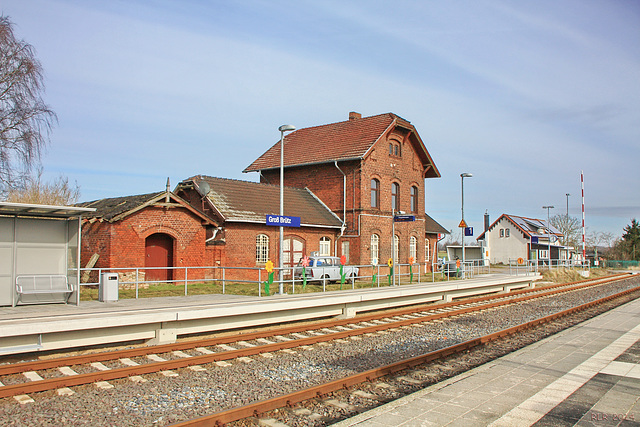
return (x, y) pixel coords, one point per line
(529, 226)
(351, 139)
(431, 226)
(108, 209)
(116, 208)
(245, 201)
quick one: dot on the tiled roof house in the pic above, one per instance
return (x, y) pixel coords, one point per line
(364, 169)
(511, 237)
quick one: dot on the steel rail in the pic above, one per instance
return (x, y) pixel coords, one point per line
(19, 367)
(153, 367)
(261, 407)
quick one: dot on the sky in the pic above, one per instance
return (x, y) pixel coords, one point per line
(522, 94)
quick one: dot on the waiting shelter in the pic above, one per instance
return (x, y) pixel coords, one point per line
(39, 253)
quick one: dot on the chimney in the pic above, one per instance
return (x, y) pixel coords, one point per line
(486, 220)
(353, 115)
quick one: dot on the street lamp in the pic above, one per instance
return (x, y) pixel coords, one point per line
(548, 232)
(462, 177)
(282, 129)
(393, 240)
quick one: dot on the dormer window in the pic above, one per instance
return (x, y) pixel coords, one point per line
(395, 149)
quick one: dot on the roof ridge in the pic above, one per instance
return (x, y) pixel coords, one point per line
(119, 197)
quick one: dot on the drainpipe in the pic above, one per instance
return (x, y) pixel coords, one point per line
(344, 206)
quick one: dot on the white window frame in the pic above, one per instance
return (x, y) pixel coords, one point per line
(427, 250)
(262, 248)
(325, 246)
(502, 232)
(375, 249)
(413, 248)
(507, 232)
(543, 253)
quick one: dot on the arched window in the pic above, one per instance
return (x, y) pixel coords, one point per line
(375, 249)
(413, 248)
(414, 198)
(396, 247)
(262, 248)
(375, 193)
(395, 196)
(325, 246)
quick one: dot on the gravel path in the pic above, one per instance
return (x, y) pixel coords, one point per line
(162, 400)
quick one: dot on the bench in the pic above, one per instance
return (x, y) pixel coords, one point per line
(57, 287)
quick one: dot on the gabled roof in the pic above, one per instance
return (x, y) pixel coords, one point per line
(431, 226)
(116, 208)
(348, 140)
(528, 226)
(244, 201)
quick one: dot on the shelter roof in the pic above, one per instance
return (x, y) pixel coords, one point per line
(352, 139)
(244, 201)
(45, 211)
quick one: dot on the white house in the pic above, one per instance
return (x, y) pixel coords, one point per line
(512, 237)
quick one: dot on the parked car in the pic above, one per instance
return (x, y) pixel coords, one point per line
(325, 268)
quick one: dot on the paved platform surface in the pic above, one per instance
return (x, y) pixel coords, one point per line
(588, 375)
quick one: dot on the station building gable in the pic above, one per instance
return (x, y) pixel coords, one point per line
(364, 169)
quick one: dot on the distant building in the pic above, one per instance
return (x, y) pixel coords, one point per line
(511, 237)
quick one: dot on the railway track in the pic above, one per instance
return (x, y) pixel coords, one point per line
(19, 380)
(266, 412)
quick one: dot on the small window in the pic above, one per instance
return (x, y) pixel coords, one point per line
(390, 149)
(325, 246)
(502, 232)
(414, 199)
(375, 193)
(345, 250)
(507, 232)
(397, 150)
(262, 248)
(395, 191)
(543, 254)
(413, 248)
(427, 251)
(375, 249)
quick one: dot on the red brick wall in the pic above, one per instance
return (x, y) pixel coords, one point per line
(326, 181)
(122, 244)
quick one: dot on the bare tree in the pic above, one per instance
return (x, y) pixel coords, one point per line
(570, 227)
(34, 191)
(25, 120)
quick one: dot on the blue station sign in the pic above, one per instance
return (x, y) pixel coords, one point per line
(283, 221)
(404, 218)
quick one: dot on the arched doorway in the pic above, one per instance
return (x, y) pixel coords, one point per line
(292, 250)
(159, 253)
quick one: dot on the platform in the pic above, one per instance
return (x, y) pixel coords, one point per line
(45, 327)
(588, 375)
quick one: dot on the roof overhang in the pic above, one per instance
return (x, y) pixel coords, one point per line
(42, 211)
(345, 159)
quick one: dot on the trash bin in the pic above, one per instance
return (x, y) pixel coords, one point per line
(108, 290)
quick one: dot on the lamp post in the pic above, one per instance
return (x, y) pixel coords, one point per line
(548, 232)
(462, 177)
(282, 129)
(393, 240)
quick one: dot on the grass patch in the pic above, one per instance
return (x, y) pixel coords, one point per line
(250, 289)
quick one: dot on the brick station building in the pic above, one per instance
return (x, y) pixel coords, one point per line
(344, 180)
(364, 169)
